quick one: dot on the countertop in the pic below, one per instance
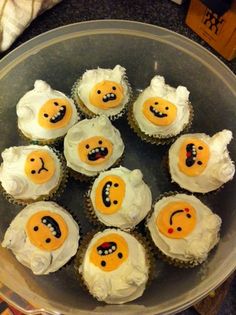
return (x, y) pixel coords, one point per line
(158, 12)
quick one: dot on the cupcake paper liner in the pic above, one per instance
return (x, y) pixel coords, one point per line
(84, 111)
(53, 194)
(157, 140)
(171, 261)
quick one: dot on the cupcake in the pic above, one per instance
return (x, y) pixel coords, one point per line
(160, 112)
(114, 267)
(45, 115)
(30, 173)
(183, 229)
(120, 198)
(200, 163)
(43, 237)
(92, 146)
(102, 92)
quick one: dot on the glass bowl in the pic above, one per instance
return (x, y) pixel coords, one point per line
(60, 57)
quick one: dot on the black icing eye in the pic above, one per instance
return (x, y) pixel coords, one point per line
(98, 91)
(55, 103)
(103, 263)
(100, 141)
(189, 216)
(156, 103)
(113, 88)
(48, 240)
(33, 172)
(167, 107)
(200, 148)
(45, 115)
(116, 185)
(36, 228)
(199, 162)
(115, 202)
(32, 160)
(179, 229)
(87, 146)
(120, 255)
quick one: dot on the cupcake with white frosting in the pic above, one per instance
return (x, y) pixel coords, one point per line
(43, 237)
(92, 146)
(31, 173)
(183, 229)
(200, 163)
(120, 198)
(45, 115)
(102, 92)
(161, 112)
(114, 267)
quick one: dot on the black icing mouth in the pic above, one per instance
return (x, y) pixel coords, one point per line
(42, 168)
(109, 97)
(191, 154)
(106, 194)
(97, 153)
(107, 248)
(59, 115)
(52, 225)
(157, 113)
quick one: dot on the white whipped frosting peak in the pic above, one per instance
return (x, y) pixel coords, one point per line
(29, 106)
(41, 261)
(196, 245)
(219, 170)
(179, 97)
(136, 203)
(91, 77)
(85, 129)
(14, 179)
(124, 284)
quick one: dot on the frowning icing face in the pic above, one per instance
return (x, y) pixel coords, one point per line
(159, 111)
(47, 230)
(109, 252)
(176, 220)
(55, 113)
(109, 195)
(95, 150)
(193, 156)
(106, 94)
(39, 166)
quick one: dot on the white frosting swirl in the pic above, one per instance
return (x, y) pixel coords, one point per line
(196, 245)
(136, 203)
(179, 97)
(87, 128)
(91, 77)
(14, 179)
(219, 170)
(29, 106)
(41, 261)
(124, 284)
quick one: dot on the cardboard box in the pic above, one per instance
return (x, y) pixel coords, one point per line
(218, 31)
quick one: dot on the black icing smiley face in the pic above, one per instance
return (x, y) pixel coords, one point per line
(95, 150)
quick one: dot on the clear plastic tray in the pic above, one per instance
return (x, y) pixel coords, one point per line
(60, 57)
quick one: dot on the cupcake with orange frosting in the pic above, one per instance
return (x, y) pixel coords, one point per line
(45, 115)
(161, 112)
(102, 92)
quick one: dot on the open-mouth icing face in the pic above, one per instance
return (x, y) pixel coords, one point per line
(47, 230)
(95, 150)
(55, 113)
(159, 111)
(109, 194)
(39, 166)
(106, 94)
(176, 220)
(109, 252)
(193, 156)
